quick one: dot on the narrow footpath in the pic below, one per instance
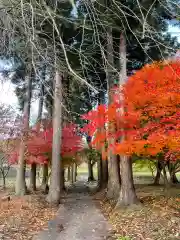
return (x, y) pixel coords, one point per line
(77, 218)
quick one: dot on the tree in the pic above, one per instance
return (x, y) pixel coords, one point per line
(113, 163)
(39, 118)
(9, 131)
(154, 104)
(143, 45)
(90, 160)
(127, 191)
(55, 183)
(150, 120)
(173, 168)
(20, 188)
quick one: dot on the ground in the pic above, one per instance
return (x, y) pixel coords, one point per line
(77, 219)
(21, 218)
(157, 218)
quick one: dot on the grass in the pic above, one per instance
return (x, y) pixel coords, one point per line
(141, 175)
(144, 172)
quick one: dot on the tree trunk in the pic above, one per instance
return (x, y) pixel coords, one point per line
(69, 174)
(4, 181)
(38, 121)
(33, 177)
(62, 180)
(55, 181)
(113, 167)
(127, 193)
(158, 173)
(113, 186)
(102, 163)
(173, 178)
(44, 184)
(104, 173)
(90, 171)
(166, 182)
(100, 173)
(102, 166)
(20, 187)
(74, 172)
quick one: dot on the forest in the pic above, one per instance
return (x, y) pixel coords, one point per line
(100, 159)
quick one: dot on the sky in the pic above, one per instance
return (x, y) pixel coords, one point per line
(7, 94)
(175, 32)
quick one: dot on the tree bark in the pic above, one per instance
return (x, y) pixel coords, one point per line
(102, 163)
(33, 177)
(104, 173)
(173, 178)
(68, 174)
(74, 172)
(100, 173)
(113, 167)
(20, 187)
(55, 181)
(113, 186)
(62, 181)
(127, 193)
(158, 173)
(44, 184)
(102, 166)
(38, 122)
(4, 181)
(166, 182)
(90, 171)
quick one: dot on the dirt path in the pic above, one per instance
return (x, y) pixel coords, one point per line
(77, 219)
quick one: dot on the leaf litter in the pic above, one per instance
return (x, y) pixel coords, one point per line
(158, 218)
(22, 217)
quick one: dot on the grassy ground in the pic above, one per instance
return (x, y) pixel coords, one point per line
(137, 172)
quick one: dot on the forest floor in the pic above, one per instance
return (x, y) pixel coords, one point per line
(157, 218)
(22, 217)
(78, 218)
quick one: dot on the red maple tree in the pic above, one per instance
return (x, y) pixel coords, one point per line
(150, 123)
(39, 144)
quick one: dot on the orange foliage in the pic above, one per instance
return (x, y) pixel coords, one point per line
(150, 123)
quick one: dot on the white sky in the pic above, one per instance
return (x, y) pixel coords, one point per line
(175, 31)
(7, 96)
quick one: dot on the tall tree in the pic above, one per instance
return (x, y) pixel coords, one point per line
(55, 183)
(20, 188)
(113, 163)
(127, 191)
(38, 124)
